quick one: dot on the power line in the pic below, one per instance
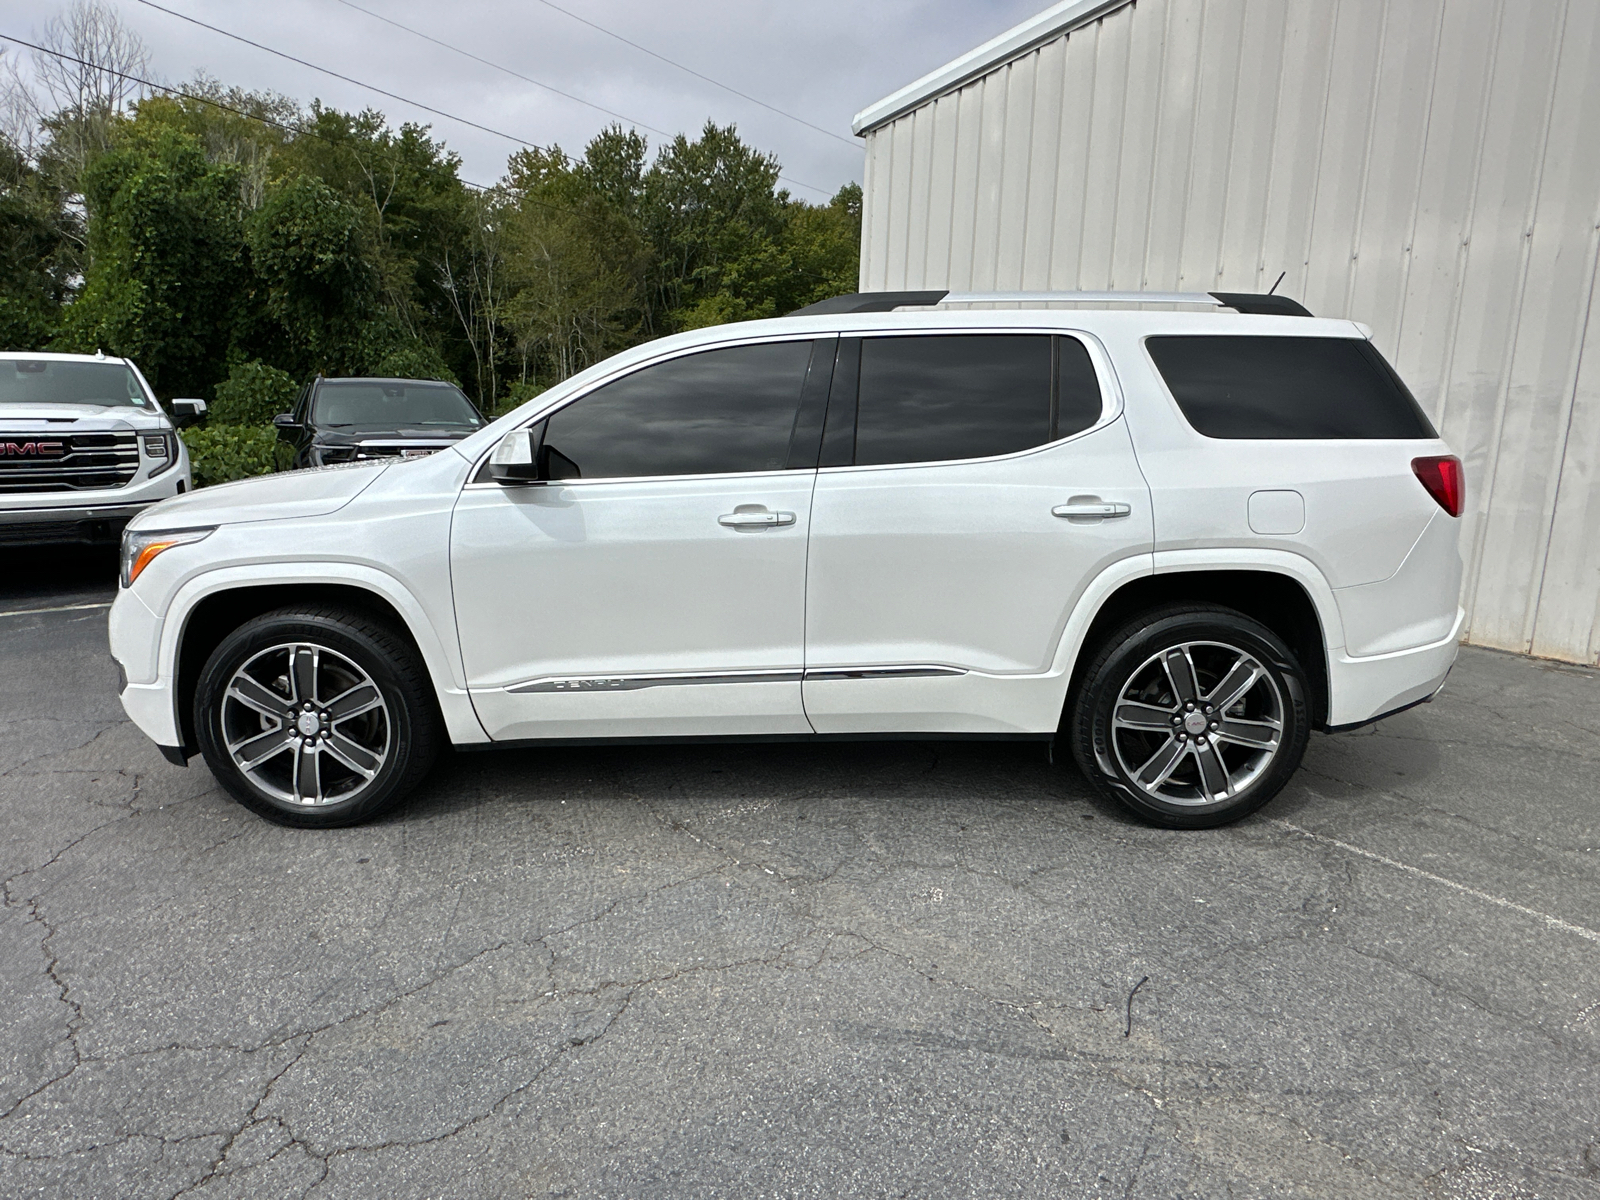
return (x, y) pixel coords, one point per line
(449, 116)
(854, 145)
(547, 87)
(498, 67)
(292, 131)
(510, 137)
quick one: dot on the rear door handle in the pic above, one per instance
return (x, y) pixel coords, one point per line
(755, 520)
(1095, 509)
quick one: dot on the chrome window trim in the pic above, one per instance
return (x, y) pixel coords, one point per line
(567, 401)
(1112, 403)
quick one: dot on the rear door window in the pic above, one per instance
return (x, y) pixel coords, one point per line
(941, 397)
(1290, 388)
(713, 413)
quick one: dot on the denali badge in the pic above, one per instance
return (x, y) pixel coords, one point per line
(32, 449)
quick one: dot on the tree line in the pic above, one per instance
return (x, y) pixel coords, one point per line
(212, 233)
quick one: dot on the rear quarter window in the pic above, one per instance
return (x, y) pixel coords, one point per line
(1289, 388)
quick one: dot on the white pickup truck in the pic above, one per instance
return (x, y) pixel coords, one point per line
(84, 446)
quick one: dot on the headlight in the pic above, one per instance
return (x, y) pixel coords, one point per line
(140, 547)
(162, 451)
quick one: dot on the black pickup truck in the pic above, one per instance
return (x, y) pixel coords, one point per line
(346, 420)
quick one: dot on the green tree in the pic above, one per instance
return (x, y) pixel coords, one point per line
(36, 232)
(316, 285)
(252, 394)
(418, 222)
(577, 261)
(714, 215)
(823, 242)
(166, 260)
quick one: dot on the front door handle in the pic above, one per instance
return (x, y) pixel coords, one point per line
(1094, 509)
(758, 519)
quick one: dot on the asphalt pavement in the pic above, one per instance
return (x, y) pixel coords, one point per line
(907, 970)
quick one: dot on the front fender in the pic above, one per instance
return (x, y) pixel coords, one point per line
(440, 654)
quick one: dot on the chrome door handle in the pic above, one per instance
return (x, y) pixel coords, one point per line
(755, 520)
(1091, 510)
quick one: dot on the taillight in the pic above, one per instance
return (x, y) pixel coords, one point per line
(1445, 483)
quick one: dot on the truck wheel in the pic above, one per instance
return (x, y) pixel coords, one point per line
(1191, 715)
(316, 717)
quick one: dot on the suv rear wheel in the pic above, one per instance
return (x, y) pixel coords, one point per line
(315, 717)
(1192, 715)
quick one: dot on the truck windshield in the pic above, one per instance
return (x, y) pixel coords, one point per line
(392, 404)
(52, 381)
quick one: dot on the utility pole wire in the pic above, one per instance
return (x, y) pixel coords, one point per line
(498, 67)
(172, 91)
(547, 87)
(510, 137)
(449, 116)
(851, 142)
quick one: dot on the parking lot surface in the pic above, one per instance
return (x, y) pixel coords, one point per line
(914, 969)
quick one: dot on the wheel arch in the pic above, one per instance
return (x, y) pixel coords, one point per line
(208, 608)
(1279, 598)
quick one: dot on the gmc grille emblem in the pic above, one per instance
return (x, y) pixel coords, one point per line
(32, 449)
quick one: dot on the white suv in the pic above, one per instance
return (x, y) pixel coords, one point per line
(83, 447)
(1177, 540)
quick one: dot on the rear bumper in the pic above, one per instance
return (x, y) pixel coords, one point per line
(1364, 689)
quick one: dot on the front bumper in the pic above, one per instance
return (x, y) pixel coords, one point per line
(66, 518)
(88, 524)
(147, 695)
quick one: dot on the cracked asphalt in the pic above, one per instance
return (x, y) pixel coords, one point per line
(788, 971)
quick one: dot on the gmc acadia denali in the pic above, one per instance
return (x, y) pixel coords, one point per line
(1176, 540)
(83, 447)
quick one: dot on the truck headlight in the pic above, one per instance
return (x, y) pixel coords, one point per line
(162, 451)
(140, 547)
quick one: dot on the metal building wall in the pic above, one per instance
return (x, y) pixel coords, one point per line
(1428, 167)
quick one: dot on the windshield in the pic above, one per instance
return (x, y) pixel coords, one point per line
(403, 404)
(52, 381)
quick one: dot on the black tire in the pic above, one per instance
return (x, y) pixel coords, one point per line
(363, 764)
(1130, 703)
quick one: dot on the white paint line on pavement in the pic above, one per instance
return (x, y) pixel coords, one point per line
(29, 612)
(1552, 922)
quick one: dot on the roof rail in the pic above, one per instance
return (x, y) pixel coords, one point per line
(870, 302)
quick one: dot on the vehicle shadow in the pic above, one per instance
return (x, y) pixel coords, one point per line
(47, 576)
(719, 774)
(1383, 761)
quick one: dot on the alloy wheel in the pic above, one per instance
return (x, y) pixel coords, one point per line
(1197, 723)
(305, 724)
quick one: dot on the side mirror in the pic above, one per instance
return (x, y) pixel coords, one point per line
(516, 460)
(187, 412)
(285, 425)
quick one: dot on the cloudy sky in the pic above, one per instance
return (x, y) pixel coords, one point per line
(818, 60)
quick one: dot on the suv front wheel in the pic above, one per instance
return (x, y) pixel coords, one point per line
(1192, 715)
(315, 717)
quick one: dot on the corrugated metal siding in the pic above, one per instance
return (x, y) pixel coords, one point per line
(1429, 167)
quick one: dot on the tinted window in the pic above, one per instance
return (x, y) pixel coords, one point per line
(924, 399)
(711, 413)
(1077, 388)
(1287, 387)
(392, 404)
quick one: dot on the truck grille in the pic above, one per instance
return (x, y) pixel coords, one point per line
(30, 462)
